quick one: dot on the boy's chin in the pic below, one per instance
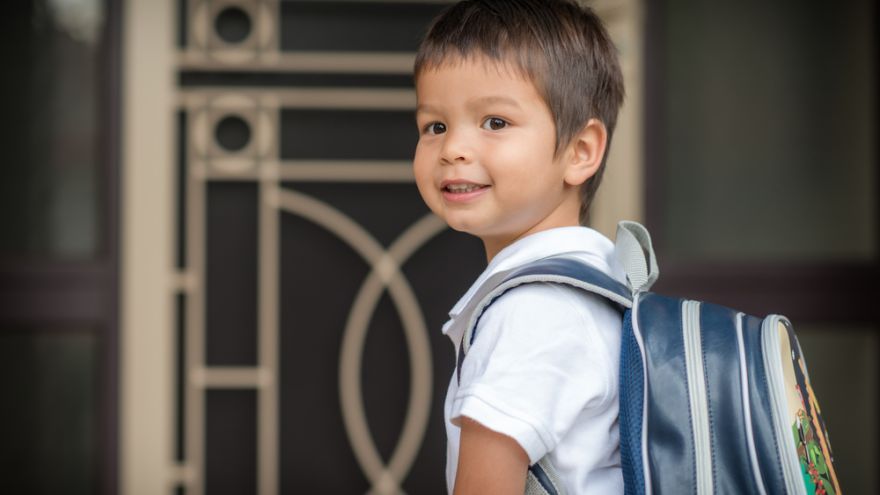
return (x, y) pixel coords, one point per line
(463, 227)
(468, 225)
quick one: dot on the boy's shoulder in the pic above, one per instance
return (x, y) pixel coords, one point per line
(552, 291)
(545, 304)
(539, 298)
(543, 325)
(582, 246)
(576, 242)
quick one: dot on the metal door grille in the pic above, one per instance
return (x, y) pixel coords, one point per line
(240, 100)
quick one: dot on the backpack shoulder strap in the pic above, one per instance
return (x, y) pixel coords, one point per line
(555, 269)
(634, 251)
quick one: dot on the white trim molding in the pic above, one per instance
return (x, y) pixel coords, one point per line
(146, 266)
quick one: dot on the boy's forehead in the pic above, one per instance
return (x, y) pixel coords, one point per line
(477, 101)
(475, 82)
(479, 64)
(482, 73)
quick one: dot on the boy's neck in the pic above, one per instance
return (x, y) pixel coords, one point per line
(566, 214)
(494, 245)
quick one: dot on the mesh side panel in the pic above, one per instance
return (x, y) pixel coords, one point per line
(533, 486)
(631, 400)
(543, 480)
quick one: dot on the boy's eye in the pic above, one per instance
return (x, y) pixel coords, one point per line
(435, 128)
(494, 123)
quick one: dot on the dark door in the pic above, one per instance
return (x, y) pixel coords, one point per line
(58, 247)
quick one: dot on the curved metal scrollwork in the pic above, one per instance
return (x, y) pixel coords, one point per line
(385, 274)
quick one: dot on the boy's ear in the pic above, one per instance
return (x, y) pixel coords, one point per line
(586, 151)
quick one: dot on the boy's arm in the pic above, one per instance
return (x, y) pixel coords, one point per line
(489, 462)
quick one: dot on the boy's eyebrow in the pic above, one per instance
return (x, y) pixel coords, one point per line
(504, 100)
(425, 108)
(484, 100)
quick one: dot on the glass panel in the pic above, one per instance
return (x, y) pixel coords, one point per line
(440, 272)
(194, 79)
(48, 421)
(355, 25)
(312, 320)
(180, 378)
(230, 442)
(386, 211)
(385, 377)
(369, 134)
(768, 131)
(843, 372)
(49, 93)
(312, 323)
(182, 176)
(231, 274)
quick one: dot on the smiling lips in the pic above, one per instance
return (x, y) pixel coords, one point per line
(461, 190)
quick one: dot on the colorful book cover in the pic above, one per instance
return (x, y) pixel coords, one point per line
(807, 427)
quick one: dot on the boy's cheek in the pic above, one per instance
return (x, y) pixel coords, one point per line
(426, 188)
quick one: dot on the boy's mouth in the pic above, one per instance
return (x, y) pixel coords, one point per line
(462, 188)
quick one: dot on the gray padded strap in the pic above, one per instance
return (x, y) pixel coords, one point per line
(636, 254)
(542, 479)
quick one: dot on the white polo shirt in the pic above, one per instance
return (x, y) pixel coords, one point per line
(543, 368)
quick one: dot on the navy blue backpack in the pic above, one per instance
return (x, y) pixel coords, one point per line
(711, 400)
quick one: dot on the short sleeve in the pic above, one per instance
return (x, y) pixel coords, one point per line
(536, 363)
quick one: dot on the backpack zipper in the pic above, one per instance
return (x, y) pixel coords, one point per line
(747, 406)
(696, 380)
(771, 348)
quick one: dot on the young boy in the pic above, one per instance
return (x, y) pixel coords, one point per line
(517, 101)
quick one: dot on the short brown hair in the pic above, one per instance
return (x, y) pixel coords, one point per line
(560, 46)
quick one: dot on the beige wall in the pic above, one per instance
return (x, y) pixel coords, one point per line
(620, 196)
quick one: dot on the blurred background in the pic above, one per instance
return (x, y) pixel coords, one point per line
(217, 277)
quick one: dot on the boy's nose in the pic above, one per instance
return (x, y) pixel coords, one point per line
(455, 148)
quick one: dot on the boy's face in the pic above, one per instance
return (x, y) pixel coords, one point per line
(485, 158)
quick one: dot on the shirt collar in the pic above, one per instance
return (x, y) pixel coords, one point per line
(583, 243)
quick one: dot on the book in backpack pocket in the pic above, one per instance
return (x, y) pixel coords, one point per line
(801, 414)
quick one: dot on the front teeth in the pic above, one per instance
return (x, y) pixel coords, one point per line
(462, 188)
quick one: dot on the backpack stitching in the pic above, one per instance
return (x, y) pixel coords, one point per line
(709, 398)
(687, 387)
